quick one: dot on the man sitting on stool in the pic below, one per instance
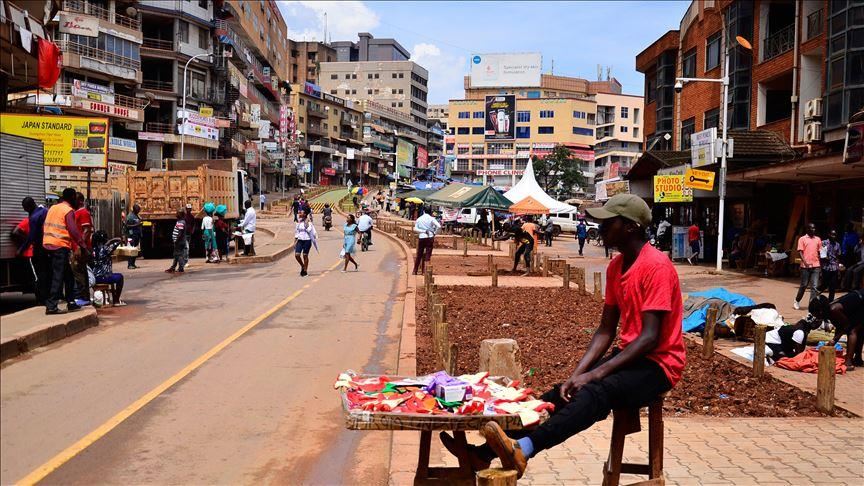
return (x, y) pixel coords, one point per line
(643, 306)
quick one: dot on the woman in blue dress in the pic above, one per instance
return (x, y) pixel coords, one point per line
(350, 230)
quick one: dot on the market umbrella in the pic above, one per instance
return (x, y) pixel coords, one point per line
(529, 205)
(415, 200)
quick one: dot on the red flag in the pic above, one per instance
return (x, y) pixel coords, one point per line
(50, 63)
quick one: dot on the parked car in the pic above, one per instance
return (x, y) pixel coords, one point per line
(567, 222)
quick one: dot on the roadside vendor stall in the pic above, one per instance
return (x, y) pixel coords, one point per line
(529, 205)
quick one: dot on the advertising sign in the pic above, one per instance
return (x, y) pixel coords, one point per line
(404, 152)
(702, 147)
(497, 172)
(422, 157)
(104, 108)
(329, 171)
(853, 151)
(283, 121)
(312, 90)
(671, 189)
(506, 70)
(69, 141)
(699, 179)
(264, 129)
(349, 153)
(206, 111)
(251, 154)
(91, 91)
(77, 24)
(123, 144)
(254, 115)
(200, 131)
(501, 117)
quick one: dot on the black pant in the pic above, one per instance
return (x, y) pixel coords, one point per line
(830, 281)
(42, 265)
(525, 250)
(852, 278)
(135, 240)
(631, 387)
(548, 237)
(581, 244)
(61, 278)
(424, 253)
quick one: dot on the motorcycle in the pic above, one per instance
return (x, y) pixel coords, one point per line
(328, 222)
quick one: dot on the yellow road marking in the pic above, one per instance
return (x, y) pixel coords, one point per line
(64, 456)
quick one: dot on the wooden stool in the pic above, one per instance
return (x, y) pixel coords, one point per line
(624, 423)
(107, 290)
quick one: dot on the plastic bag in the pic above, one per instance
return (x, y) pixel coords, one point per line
(342, 253)
(91, 277)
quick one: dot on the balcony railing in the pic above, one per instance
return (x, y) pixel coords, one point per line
(119, 100)
(156, 127)
(99, 54)
(778, 42)
(815, 23)
(82, 6)
(316, 130)
(158, 44)
(316, 111)
(158, 85)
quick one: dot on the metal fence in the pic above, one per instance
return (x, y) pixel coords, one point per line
(107, 214)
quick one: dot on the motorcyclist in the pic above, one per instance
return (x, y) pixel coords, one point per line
(328, 216)
(364, 225)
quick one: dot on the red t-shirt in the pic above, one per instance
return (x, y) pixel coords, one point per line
(692, 233)
(82, 220)
(24, 226)
(650, 284)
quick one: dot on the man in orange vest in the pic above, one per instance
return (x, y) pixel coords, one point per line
(60, 231)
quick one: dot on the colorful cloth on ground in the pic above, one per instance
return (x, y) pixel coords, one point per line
(695, 320)
(808, 362)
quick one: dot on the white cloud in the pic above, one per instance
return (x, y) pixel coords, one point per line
(446, 71)
(344, 19)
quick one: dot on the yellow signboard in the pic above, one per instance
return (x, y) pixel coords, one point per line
(69, 141)
(671, 189)
(699, 179)
(205, 111)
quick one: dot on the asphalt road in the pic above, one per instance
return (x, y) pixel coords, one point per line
(170, 390)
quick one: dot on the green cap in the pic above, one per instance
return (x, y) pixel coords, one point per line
(627, 206)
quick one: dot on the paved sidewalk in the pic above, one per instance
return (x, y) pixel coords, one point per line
(698, 451)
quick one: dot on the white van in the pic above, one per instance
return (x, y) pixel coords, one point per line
(568, 222)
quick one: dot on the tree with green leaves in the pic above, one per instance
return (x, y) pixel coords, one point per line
(559, 172)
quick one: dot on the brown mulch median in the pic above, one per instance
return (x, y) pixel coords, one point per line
(474, 265)
(553, 327)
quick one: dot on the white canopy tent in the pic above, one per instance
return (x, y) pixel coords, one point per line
(527, 186)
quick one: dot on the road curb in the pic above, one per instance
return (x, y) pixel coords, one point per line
(45, 334)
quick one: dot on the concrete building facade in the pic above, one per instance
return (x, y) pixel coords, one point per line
(618, 133)
(368, 48)
(306, 59)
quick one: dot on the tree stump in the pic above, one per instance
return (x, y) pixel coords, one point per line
(759, 351)
(708, 337)
(489, 262)
(825, 379)
(545, 266)
(500, 357)
(566, 275)
(494, 275)
(496, 477)
(598, 286)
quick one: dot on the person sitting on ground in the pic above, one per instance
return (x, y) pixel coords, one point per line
(248, 226)
(789, 341)
(101, 264)
(178, 238)
(847, 315)
(643, 309)
(364, 225)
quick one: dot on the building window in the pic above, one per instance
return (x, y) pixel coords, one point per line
(688, 64)
(477, 131)
(523, 132)
(347, 91)
(583, 131)
(400, 104)
(579, 114)
(369, 75)
(688, 127)
(739, 21)
(376, 75)
(402, 91)
(712, 52)
(394, 75)
(650, 88)
(347, 76)
(545, 130)
(636, 115)
(547, 114)
(393, 104)
(301, 119)
(625, 112)
(463, 131)
(845, 63)
(334, 91)
(377, 91)
(203, 39)
(712, 119)
(464, 114)
(334, 76)
(197, 83)
(184, 31)
(478, 114)
(624, 129)
(523, 116)
(302, 102)
(401, 75)
(369, 91)
(635, 132)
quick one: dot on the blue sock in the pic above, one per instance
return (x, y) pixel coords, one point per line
(527, 447)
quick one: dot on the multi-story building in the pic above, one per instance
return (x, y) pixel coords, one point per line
(793, 89)
(369, 48)
(305, 60)
(438, 113)
(330, 135)
(551, 86)
(540, 125)
(16, 53)
(618, 133)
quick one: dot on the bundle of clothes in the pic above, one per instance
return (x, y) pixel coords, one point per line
(441, 394)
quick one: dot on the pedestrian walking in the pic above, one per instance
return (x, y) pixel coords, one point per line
(262, 199)
(643, 310)
(581, 234)
(808, 251)
(295, 207)
(693, 240)
(426, 228)
(304, 237)
(247, 226)
(60, 231)
(350, 231)
(102, 264)
(189, 216)
(223, 230)
(829, 258)
(33, 243)
(133, 232)
(854, 277)
(850, 241)
(208, 233)
(549, 231)
(178, 238)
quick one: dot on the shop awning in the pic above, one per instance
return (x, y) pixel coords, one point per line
(464, 196)
(420, 194)
(818, 169)
(529, 205)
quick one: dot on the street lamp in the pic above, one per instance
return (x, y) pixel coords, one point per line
(721, 185)
(185, 115)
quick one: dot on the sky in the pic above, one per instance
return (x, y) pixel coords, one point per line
(442, 35)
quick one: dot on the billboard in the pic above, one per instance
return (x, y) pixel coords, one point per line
(404, 152)
(500, 117)
(506, 70)
(422, 157)
(70, 141)
(671, 189)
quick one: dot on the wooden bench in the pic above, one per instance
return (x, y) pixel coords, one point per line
(108, 290)
(624, 423)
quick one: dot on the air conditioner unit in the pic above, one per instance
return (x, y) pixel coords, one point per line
(813, 109)
(812, 132)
